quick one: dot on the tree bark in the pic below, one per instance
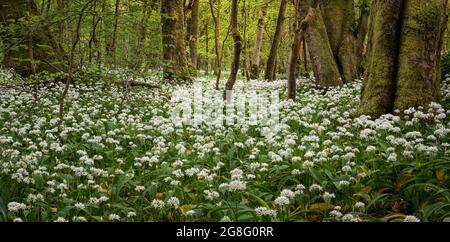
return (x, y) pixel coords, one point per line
(237, 46)
(193, 35)
(270, 66)
(378, 90)
(339, 19)
(361, 34)
(216, 20)
(142, 36)
(256, 56)
(174, 50)
(47, 53)
(422, 32)
(326, 71)
(403, 57)
(111, 50)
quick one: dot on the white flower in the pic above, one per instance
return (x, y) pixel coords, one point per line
(315, 187)
(16, 207)
(336, 214)
(263, 211)
(392, 157)
(139, 188)
(328, 196)
(237, 186)
(158, 204)
(131, 214)
(60, 220)
(347, 218)
(17, 220)
(173, 202)
(79, 219)
(225, 219)
(411, 218)
(346, 168)
(360, 205)
(113, 217)
(80, 206)
(190, 212)
(287, 193)
(281, 201)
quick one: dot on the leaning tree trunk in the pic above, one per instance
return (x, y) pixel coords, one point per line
(237, 46)
(193, 34)
(326, 71)
(174, 51)
(270, 66)
(403, 57)
(47, 53)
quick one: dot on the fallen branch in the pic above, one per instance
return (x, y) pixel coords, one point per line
(136, 84)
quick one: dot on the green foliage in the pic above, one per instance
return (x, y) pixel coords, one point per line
(445, 64)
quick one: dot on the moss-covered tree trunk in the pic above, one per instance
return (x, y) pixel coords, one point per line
(403, 57)
(325, 69)
(345, 36)
(174, 50)
(193, 33)
(422, 32)
(271, 60)
(256, 56)
(47, 53)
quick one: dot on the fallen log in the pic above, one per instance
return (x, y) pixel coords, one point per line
(136, 84)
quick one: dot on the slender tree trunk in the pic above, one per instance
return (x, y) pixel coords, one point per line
(64, 93)
(403, 57)
(142, 36)
(174, 50)
(193, 35)
(361, 37)
(305, 58)
(216, 20)
(237, 46)
(299, 32)
(93, 40)
(112, 46)
(256, 57)
(270, 67)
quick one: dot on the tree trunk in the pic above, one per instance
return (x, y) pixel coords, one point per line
(237, 46)
(216, 20)
(326, 71)
(193, 35)
(361, 34)
(142, 36)
(112, 46)
(174, 51)
(270, 66)
(403, 56)
(422, 32)
(339, 19)
(47, 53)
(256, 57)
(300, 28)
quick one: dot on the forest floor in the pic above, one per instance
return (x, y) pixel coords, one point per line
(121, 156)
